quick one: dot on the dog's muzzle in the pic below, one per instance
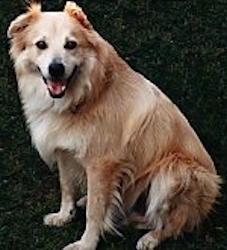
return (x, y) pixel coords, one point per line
(57, 83)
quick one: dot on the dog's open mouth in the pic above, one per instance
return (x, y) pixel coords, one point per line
(56, 88)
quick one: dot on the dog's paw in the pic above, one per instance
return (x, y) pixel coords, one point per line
(147, 242)
(77, 246)
(58, 219)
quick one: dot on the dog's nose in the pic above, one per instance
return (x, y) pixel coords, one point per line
(56, 70)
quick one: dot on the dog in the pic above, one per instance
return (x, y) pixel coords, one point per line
(109, 128)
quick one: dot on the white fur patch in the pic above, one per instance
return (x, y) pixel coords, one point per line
(157, 200)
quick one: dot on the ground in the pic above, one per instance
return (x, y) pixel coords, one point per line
(180, 46)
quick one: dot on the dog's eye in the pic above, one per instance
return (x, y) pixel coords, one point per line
(70, 45)
(41, 45)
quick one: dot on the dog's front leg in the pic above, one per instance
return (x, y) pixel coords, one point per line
(100, 185)
(67, 174)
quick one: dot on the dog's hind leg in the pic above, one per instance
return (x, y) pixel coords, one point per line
(68, 173)
(173, 225)
(181, 195)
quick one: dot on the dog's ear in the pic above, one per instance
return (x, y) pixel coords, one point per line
(75, 11)
(22, 22)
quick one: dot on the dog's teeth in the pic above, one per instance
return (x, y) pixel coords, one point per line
(63, 88)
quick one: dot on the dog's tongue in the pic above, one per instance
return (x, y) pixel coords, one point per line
(56, 88)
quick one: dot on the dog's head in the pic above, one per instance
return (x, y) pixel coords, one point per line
(52, 45)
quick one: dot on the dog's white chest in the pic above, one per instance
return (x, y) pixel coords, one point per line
(49, 133)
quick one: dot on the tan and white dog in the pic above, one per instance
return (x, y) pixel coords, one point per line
(109, 127)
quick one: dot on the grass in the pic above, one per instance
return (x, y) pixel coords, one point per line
(181, 46)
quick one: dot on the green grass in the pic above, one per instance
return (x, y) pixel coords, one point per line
(179, 45)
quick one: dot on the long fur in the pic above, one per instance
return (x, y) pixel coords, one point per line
(115, 129)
